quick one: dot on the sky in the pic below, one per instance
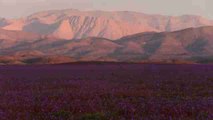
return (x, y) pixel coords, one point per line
(20, 8)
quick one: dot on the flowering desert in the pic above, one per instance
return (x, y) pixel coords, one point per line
(106, 91)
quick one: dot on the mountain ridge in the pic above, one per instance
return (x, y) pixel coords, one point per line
(188, 45)
(107, 24)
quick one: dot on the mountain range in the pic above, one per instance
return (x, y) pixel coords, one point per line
(75, 24)
(60, 36)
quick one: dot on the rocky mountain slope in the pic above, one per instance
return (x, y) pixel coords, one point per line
(9, 39)
(69, 24)
(192, 44)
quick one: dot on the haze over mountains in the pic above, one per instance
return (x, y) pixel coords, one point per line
(71, 35)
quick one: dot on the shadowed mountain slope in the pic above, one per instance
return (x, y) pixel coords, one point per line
(192, 44)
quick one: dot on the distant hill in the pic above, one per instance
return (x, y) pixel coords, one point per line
(18, 35)
(189, 45)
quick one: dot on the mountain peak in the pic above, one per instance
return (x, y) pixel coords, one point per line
(64, 30)
(72, 23)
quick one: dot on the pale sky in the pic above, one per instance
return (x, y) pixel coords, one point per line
(18, 8)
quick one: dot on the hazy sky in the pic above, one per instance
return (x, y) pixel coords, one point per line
(17, 8)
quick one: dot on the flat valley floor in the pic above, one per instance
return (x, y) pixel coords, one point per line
(106, 91)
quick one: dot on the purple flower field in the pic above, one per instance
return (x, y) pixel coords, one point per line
(106, 91)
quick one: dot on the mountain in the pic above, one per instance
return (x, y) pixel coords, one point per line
(8, 39)
(179, 45)
(75, 24)
(3, 22)
(17, 35)
(15, 25)
(188, 45)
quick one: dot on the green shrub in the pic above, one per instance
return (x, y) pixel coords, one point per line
(93, 116)
(62, 115)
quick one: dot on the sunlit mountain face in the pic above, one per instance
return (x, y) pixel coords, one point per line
(75, 24)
